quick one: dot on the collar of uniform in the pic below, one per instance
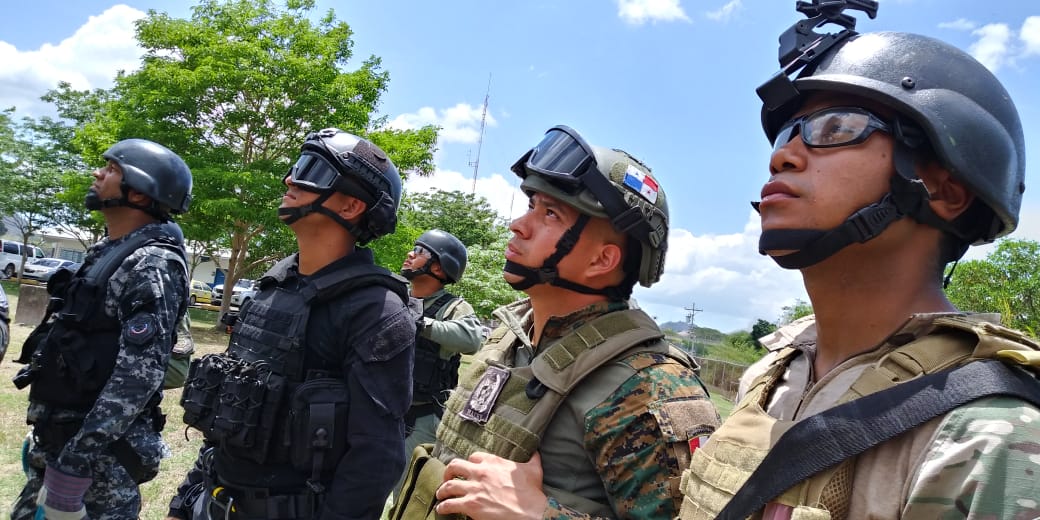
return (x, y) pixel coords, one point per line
(106, 243)
(428, 300)
(289, 267)
(559, 326)
(922, 324)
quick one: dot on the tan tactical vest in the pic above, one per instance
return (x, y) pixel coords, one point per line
(720, 468)
(516, 422)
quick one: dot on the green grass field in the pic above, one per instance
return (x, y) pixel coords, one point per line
(183, 442)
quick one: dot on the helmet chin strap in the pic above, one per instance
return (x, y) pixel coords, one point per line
(411, 274)
(549, 274)
(908, 197)
(291, 215)
(93, 202)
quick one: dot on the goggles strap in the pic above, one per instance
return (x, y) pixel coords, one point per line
(626, 219)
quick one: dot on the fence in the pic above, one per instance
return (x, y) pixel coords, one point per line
(722, 376)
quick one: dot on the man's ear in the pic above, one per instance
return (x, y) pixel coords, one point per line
(351, 207)
(606, 260)
(435, 268)
(949, 197)
(137, 198)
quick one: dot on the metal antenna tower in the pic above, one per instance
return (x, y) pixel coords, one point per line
(480, 141)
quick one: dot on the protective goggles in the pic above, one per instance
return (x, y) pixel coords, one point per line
(831, 127)
(313, 173)
(422, 251)
(562, 157)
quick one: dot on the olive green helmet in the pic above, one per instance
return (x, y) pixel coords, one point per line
(605, 183)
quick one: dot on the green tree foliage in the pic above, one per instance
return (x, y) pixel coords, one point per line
(799, 309)
(761, 328)
(738, 347)
(234, 90)
(467, 216)
(1006, 281)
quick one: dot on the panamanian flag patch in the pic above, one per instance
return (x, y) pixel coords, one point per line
(641, 183)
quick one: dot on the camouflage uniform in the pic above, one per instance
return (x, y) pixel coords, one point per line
(148, 285)
(5, 321)
(978, 461)
(622, 439)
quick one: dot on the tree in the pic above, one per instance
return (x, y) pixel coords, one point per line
(798, 309)
(761, 328)
(234, 89)
(1006, 281)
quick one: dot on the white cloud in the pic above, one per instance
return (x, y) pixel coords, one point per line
(992, 47)
(725, 276)
(459, 124)
(960, 24)
(1030, 35)
(88, 59)
(502, 193)
(725, 12)
(638, 12)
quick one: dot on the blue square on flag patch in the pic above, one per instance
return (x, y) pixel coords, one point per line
(641, 183)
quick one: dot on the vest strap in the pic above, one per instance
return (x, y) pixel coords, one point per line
(847, 430)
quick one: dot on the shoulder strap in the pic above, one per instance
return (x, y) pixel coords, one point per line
(330, 285)
(438, 304)
(825, 439)
(105, 266)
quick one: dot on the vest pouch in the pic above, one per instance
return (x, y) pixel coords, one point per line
(240, 423)
(202, 390)
(419, 490)
(449, 373)
(80, 362)
(426, 375)
(318, 422)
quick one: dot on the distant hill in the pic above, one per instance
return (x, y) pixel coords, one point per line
(703, 334)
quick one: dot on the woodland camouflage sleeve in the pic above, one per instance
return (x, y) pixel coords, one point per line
(983, 463)
(639, 438)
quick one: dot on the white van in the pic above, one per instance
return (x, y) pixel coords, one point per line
(11, 256)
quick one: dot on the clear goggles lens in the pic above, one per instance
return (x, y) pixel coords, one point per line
(313, 173)
(561, 157)
(830, 127)
(422, 251)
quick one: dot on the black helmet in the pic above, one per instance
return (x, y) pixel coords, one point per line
(941, 95)
(153, 170)
(598, 182)
(333, 160)
(447, 250)
(966, 114)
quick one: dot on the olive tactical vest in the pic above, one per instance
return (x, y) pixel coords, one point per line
(719, 468)
(531, 394)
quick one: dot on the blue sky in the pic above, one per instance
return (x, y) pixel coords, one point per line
(670, 81)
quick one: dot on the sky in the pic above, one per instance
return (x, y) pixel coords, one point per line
(670, 81)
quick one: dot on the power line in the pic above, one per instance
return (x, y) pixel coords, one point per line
(480, 141)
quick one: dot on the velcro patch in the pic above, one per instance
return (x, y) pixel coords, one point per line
(140, 329)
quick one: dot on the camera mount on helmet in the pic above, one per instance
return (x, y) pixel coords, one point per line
(800, 45)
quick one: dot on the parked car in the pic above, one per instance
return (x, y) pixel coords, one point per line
(243, 291)
(11, 254)
(42, 268)
(200, 293)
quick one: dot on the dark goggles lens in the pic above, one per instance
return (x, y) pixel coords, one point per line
(313, 173)
(561, 157)
(830, 127)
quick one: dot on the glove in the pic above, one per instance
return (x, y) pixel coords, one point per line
(61, 497)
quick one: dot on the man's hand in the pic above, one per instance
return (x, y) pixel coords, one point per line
(490, 487)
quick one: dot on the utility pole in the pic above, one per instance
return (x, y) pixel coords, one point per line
(691, 312)
(480, 140)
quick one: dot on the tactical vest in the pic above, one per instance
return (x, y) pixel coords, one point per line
(719, 468)
(530, 396)
(433, 375)
(259, 401)
(77, 355)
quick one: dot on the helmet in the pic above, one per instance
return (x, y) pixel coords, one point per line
(332, 160)
(606, 183)
(965, 113)
(155, 171)
(447, 250)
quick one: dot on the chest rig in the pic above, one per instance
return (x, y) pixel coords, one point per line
(73, 352)
(264, 400)
(434, 375)
(720, 469)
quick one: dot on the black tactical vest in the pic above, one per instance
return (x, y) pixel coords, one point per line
(76, 357)
(433, 375)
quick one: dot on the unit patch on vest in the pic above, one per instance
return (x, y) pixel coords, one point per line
(482, 400)
(140, 329)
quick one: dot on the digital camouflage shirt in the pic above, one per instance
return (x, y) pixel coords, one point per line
(145, 294)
